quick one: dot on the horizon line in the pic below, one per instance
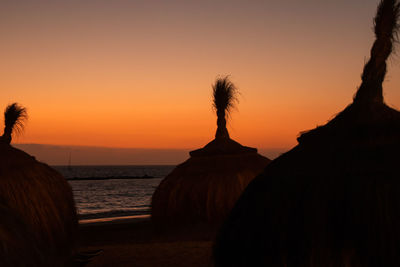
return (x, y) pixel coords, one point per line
(117, 147)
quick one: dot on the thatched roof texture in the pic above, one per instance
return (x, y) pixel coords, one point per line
(18, 247)
(334, 199)
(39, 197)
(204, 188)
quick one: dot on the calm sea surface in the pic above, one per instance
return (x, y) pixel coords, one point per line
(113, 191)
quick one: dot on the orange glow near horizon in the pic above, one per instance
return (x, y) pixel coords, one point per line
(137, 75)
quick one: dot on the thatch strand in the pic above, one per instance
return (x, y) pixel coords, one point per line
(14, 117)
(386, 29)
(224, 100)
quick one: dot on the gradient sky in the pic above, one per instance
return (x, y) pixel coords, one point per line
(139, 73)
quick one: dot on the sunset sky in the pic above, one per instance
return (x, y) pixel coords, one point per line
(139, 73)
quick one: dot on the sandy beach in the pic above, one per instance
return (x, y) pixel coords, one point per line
(135, 242)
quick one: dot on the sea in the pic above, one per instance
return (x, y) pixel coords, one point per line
(104, 193)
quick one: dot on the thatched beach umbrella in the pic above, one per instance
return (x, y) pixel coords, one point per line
(205, 187)
(334, 199)
(39, 197)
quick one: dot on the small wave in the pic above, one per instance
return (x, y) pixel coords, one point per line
(114, 213)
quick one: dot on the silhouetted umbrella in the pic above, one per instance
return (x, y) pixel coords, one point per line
(205, 187)
(334, 199)
(38, 196)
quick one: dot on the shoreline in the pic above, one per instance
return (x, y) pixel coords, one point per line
(134, 241)
(112, 178)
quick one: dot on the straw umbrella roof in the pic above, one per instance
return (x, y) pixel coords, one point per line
(38, 195)
(334, 199)
(204, 188)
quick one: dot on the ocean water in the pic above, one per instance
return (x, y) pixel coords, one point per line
(113, 191)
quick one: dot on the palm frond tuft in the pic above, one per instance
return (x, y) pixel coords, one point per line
(224, 95)
(14, 118)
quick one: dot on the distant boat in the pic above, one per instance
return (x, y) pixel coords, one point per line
(69, 162)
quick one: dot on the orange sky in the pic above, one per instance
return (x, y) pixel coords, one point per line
(139, 73)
